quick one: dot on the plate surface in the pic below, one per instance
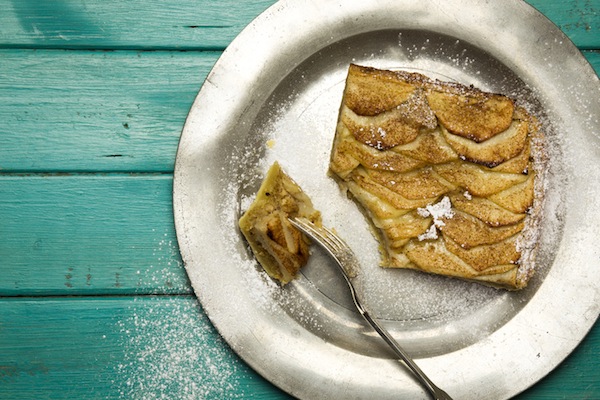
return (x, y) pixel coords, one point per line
(275, 94)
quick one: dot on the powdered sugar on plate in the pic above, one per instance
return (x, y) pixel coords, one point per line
(171, 351)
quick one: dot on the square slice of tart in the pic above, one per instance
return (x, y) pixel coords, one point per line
(444, 172)
(278, 246)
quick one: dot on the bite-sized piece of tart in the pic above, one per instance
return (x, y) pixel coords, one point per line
(278, 246)
(449, 175)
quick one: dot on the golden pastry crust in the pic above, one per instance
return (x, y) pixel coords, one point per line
(444, 172)
(278, 246)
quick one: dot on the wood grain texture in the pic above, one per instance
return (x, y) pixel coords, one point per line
(131, 24)
(95, 110)
(88, 234)
(119, 347)
(155, 347)
(191, 24)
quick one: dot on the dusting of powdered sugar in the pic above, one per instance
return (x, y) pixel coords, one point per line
(171, 351)
(167, 271)
(438, 211)
(543, 150)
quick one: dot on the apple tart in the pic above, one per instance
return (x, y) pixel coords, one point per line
(446, 174)
(278, 246)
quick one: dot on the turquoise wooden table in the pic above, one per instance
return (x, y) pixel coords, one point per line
(95, 302)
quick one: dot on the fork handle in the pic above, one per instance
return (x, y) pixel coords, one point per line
(436, 392)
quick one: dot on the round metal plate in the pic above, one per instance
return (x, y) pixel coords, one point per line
(275, 94)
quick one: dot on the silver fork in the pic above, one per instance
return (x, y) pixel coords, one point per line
(348, 264)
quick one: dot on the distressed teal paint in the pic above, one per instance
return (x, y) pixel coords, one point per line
(191, 25)
(88, 234)
(132, 24)
(118, 347)
(64, 110)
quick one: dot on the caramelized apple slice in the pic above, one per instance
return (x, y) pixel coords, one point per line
(478, 180)
(474, 115)
(493, 151)
(429, 147)
(407, 226)
(517, 198)
(362, 181)
(468, 231)
(415, 185)
(434, 257)
(485, 210)
(372, 158)
(370, 92)
(486, 255)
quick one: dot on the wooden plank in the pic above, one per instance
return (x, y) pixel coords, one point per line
(100, 111)
(111, 111)
(191, 24)
(129, 348)
(164, 347)
(88, 234)
(131, 24)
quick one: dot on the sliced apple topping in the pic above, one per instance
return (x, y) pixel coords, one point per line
(493, 151)
(478, 180)
(485, 210)
(469, 231)
(430, 147)
(474, 115)
(517, 198)
(370, 92)
(406, 144)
